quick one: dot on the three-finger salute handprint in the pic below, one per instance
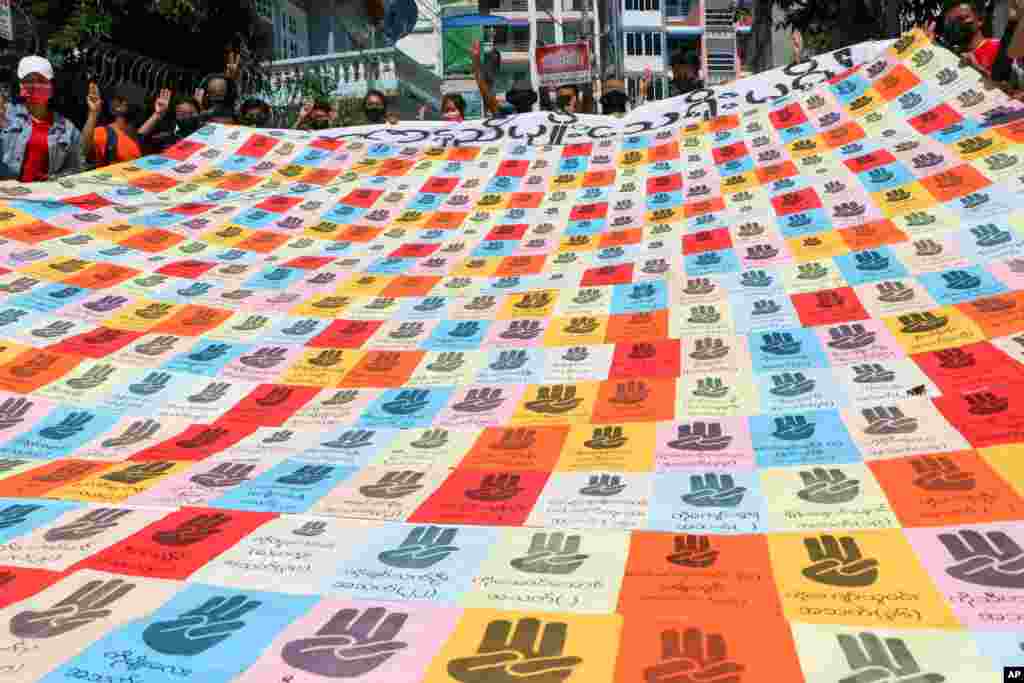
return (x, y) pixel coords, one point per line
(990, 559)
(199, 629)
(693, 657)
(874, 660)
(528, 653)
(828, 487)
(87, 604)
(551, 554)
(349, 645)
(838, 562)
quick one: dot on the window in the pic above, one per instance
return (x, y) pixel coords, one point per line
(643, 5)
(643, 44)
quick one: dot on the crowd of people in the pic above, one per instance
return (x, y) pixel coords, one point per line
(39, 143)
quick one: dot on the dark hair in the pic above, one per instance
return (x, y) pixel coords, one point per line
(456, 99)
(572, 86)
(378, 93)
(322, 104)
(255, 103)
(186, 99)
(230, 94)
(950, 4)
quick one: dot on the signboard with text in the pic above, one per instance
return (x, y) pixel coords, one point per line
(563, 64)
(6, 24)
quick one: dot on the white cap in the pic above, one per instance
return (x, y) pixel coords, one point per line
(35, 65)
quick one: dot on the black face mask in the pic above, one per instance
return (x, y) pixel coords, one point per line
(189, 125)
(521, 101)
(958, 33)
(255, 120)
(319, 124)
(614, 103)
(564, 101)
(374, 114)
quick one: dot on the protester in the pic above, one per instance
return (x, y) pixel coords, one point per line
(567, 99)
(685, 73)
(217, 97)
(316, 114)
(453, 108)
(37, 142)
(614, 99)
(120, 140)
(962, 33)
(375, 107)
(255, 113)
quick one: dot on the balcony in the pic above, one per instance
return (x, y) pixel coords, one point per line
(354, 73)
(543, 6)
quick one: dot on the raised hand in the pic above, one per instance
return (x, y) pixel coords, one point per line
(394, 485)
(551, 554)
(88, 525)
(86, 605)
(349, 645)
(991, 559)
(527, 654)
(838, 562)
(93, 100)
(940, 473)
(693, 657)
(713, 490)
(693, 551)
(163, 101)
(496, 487)
(827, 487)
(424, 547)
(873, 660)
(199, 629)
(603, 485)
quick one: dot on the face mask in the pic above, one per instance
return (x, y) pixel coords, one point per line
(453, 115)
(36, 93)
(564, 101)
(613, 102)
(374, 114)
(958, 33)
(189, 124)
(521, 103)
(214, 101)
(255, 120)
(319, 124)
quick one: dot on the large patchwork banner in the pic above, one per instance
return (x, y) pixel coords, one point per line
(538, 399)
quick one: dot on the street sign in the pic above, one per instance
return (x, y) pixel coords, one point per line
(563, 64)
(6, 24)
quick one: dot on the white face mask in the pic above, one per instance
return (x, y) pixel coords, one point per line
(453, 115)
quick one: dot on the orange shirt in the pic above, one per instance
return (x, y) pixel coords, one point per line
(127, 148)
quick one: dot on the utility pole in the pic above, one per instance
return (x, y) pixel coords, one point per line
(531, 8)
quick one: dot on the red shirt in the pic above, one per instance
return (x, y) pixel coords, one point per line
(985, 54)
(36, 165)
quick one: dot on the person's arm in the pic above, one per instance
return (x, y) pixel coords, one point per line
(75, 161)
(489, 100)
(159, 111)
(95, 103)
(307, 107)
(1015, 48)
